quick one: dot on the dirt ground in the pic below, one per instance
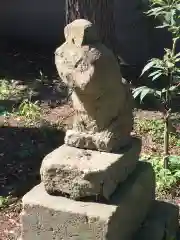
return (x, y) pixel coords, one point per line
(22, 148)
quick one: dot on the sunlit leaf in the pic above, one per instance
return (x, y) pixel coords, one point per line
(173, 88)
(170, 64)
(156, 76)
(142, 92)
(163, 26)
(137, 91)
(154, 73)
(177, 60)
(158, 93)
(145, 92)
(177, 174)
(147, 67)
(164, 90)
(177, 55)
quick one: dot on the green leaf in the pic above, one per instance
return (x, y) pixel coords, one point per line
(177, 55)
(173, 88)
(170, 64)
(154, 73)
(136, 92)
(158, 93)
(3, 201)
(142, 92)
(177, 174)
(164, 90)
(156, 76)
(177, 60)
(174, 161)
(147, 67)
(157, 11)
(163, 26)
(145, 92)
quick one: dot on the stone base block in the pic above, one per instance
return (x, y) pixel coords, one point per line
(81, 173)
(106, 141)
(46, 217)
(161, 223)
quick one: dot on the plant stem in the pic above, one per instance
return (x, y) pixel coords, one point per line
(166, 143)
(167, 115)
(174, 46)
(166, 127)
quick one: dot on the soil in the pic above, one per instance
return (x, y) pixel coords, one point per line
(23, 147)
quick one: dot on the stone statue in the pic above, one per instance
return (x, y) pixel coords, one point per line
(101, 98)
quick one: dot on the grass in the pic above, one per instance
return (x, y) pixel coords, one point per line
(166, 179)
(30, 111)
(3, 202)
(155, 129)
(9, 89)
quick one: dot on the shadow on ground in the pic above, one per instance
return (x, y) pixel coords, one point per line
(21, 61)
(21, 154)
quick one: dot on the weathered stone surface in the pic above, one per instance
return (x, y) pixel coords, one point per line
(47, 217)
(102, 100)
(161, 223)
(80, 173)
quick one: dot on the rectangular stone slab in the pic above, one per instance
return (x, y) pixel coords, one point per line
(81, 173)
(46, 217)
(161, 223)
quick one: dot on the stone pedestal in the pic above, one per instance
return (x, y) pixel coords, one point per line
(80, 173)
(46, 217)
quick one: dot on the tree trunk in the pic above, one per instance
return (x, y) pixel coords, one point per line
(99, 12)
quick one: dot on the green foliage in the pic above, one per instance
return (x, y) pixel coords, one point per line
(143, 91)
(3, 202)
(165, 178)
(31, 111)
(172, 238)
(161, 68)
(7, 90)
(28, 109)
(168, 12)
(155, 129)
